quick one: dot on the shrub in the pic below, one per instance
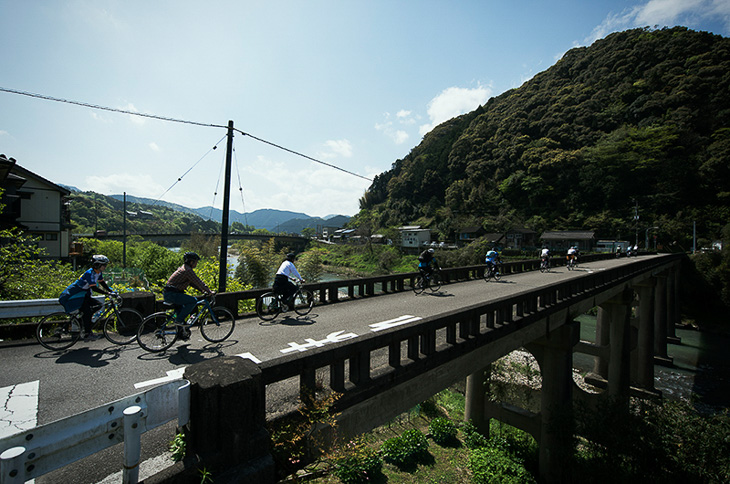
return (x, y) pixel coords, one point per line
(490, 465)
(405, 450)
(443, 431)
(357, 463)
(472, 438)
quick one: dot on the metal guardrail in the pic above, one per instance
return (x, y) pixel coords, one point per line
(35, 452)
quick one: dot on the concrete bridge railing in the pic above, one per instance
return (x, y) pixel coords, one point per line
(422, 358)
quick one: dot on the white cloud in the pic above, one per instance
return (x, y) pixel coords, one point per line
(392, 131)
(663, 13)
(452, 102)
(337, 148)
(319, 190)
(135, 119)
(153, 146)
(4, 133)
(122, 182)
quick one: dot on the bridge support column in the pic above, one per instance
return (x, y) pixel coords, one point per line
(644, 376)
(556, 408)
(477, 386)
(660, 317)
(619, 374)
(673, 315)
(603, 325)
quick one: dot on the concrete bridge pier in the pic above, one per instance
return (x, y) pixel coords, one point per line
(643, 374)
(603, 325)
(660, 318)
(619, 372)
(555, 355)
(477, 388)
(673, 314)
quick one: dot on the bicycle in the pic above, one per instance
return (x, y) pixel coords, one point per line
(572, 264)
(423, 281)
(545, 265)
(492, 272)
(270, 304)
(61, 330)
(159, 331)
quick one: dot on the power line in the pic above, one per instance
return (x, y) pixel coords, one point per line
(174, 120)
(105, 108)
(302, 155)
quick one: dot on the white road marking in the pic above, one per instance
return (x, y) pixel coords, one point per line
(177, 373)
(393, 322)
(335, 337)
(19, 409)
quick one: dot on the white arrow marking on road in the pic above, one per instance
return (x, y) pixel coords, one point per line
(177, 373)
(393, 322)
(20, 408)
(335, 337)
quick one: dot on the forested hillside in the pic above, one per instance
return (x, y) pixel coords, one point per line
(641, 117)
(91, 211)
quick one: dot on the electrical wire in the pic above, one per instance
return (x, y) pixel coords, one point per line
(302, 155)
(188, 170)
(240, 187)
(174, 120)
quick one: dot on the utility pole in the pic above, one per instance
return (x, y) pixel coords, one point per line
(636, 222)
(124, 233)
(223, 272)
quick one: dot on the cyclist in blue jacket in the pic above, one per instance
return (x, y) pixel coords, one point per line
(77, 296)
(491, 259)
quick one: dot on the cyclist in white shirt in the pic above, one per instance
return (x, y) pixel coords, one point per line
(282, 284)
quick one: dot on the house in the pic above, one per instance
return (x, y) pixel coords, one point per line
(469, 234)
(414, 237)
(519, 238)
(37, 206)
(515, 238)
(563, 240)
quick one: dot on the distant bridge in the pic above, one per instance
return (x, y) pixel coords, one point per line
(292, 241)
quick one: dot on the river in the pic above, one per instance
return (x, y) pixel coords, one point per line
(700, 371)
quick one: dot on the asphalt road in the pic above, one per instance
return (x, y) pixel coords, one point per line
(92, 374)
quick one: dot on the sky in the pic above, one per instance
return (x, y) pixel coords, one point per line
(352, 84)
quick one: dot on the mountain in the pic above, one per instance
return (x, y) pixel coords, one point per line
(269, 219)
(637, 124)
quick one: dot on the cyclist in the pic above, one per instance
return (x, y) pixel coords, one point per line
(426, 263)
(174, 291)
(572, 254)
(77, 296)
(492, 258)
(282, 284)
(545, 254)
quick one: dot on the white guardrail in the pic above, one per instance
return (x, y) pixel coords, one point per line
(29, 308)
(35, 452)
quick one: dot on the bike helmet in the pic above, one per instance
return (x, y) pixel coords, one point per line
(99, 260)
(291, 256)
(190, 256)
(431, 251)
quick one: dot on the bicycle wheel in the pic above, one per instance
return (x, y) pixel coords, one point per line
(55, 331)
(268, 306)
(220, 328)
(543, 266)
(487, 274)
(435, 282)
(303, 302)
(121, 326)
(419, 285)
(157, 332)
(497, 275)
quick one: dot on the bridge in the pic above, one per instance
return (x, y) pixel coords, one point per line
(401, 362)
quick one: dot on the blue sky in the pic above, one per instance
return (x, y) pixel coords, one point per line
(352, 83)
